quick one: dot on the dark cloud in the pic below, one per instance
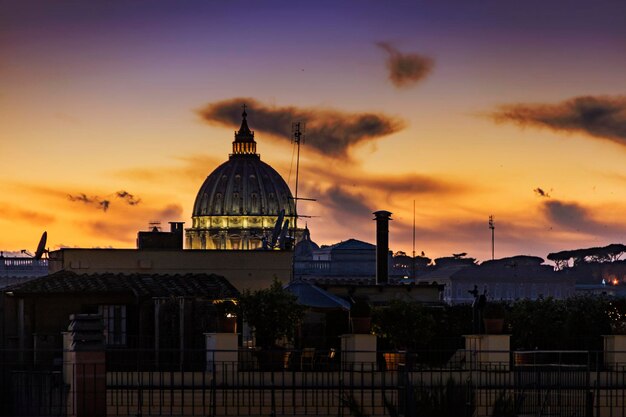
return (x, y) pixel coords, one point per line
(330, 132)
(409, 184)
(82, 198)
(339, 199)
(128, 198)
(541, 193)
(574, 216)
(405, 70)
(103, 203)
(600, 117)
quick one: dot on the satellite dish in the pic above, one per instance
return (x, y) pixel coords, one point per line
(283, 234)
(41, 248)
(277, 227)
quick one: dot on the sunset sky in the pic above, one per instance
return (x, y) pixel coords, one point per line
(505, 108)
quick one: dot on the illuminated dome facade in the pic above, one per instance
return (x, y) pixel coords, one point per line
(239, 203)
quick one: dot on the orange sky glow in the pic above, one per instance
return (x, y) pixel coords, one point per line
(522, 116)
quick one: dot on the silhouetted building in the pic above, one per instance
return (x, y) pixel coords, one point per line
(508, 279)
(239, 203)
(243, 269)
(137, 308)
(156, 239)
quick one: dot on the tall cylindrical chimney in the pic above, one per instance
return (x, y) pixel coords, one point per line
(382, 246)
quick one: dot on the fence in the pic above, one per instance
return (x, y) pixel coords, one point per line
(290, 383)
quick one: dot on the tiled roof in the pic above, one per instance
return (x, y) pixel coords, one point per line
(140, 285)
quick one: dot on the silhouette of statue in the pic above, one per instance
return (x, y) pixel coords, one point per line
(478, 307)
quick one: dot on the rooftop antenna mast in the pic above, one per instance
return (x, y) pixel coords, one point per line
(413, 241)
(492, 226)
(298, 129)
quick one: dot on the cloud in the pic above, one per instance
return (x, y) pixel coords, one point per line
(330, 132)
(541, 193)
(601, 117)
(341, 201)
(103, 203)
(577, 218)
(124, 228)
(128, 198)
(13, 213)
(406, 70)
(82, 198)
(171, 212)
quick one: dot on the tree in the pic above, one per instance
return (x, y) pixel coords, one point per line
(272, 312)
(609, 253)
(404, 324)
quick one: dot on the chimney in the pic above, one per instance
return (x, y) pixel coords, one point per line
(382, 246)
(176, 227)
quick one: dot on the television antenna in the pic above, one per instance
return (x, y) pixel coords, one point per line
(492, 226)
(298, 129)
(413, 266)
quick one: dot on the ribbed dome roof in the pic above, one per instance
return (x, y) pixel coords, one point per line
(244, 185)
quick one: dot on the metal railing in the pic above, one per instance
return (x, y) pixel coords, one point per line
(294, 382)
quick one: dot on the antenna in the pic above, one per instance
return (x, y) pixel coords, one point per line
(492, 226)
(297, 129)
(155, 226)
(413, 240)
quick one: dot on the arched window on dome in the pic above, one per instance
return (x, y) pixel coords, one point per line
(237, 182)
(272, 203)
(236, 207)
(254, 203)
(204, 204)
(217, 204)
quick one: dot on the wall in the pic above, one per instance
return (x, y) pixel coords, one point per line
(243, 269)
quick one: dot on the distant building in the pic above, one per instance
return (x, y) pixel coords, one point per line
(351, 259)
(14, 269)
(240, 202)
(507, 279)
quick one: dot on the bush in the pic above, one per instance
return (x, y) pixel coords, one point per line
(273, 314)
(404, 324)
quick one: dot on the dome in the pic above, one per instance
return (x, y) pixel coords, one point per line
(305, 248)
(243, 185)
(240, 202)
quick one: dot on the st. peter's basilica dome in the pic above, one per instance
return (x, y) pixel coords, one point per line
(239, 203)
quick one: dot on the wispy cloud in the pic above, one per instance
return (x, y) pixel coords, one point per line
(103, 203)
(540, 192)
(406, 70)
(124, 228)
(130, 199)
(330, 132)
(597, 116)
(16, 213)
